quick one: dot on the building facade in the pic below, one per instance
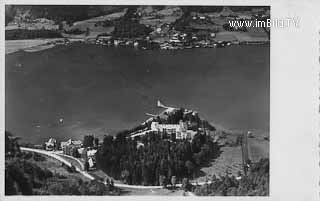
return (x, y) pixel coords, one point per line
(51, 144)
(70, 146)
(179, 130)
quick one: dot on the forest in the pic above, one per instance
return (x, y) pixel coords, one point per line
(128, 25)
(26, 178)
(155, 159)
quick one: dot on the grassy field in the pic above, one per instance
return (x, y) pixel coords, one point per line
(41, 24)
(231, 156)
(155, 18)
(230, 160)
(258, 146)
(56, 168)
(93, 25)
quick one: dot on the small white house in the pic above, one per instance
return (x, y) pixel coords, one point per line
(91, 153)
(51, 144)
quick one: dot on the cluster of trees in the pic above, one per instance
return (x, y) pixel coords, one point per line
(94, 187)
(23, 176)
(11, 144)
(10, 12)
(19, 34)
(183, 23)
(74, 31)
(26, 178)
(128, 26)
(34, 156)
(106, 23)
(255, 183)
(153, 160)
(90, 141)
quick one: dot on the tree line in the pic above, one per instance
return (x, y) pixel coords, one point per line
(19, 34)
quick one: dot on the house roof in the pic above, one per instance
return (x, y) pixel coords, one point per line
(71, 142)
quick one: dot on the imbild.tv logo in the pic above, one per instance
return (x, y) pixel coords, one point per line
(268, 23)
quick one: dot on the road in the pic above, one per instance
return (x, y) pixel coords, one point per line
(59, 158)
(79, 168)
(74, 161)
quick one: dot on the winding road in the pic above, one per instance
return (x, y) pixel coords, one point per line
(59, 158)
(80, 168)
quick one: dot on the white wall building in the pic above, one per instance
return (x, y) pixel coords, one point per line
(180, 130)
(51, 144)
(71, 142)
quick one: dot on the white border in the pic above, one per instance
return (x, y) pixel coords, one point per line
(294, 100)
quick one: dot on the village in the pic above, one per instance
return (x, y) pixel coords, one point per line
(167, 36)
(166, 29)
(77, 149)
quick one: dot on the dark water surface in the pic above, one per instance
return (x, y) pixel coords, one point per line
(72, 91)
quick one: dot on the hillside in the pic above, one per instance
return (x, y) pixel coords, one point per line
(145, 27)
(35, 174)
(57, 13)
(101, 19)
(255, 183)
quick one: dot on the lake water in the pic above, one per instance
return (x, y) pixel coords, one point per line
(86, 89)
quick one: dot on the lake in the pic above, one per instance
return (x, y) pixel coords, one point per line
(70, 91)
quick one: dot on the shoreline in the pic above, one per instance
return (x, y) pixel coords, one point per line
(36, 45)
(31, 45)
